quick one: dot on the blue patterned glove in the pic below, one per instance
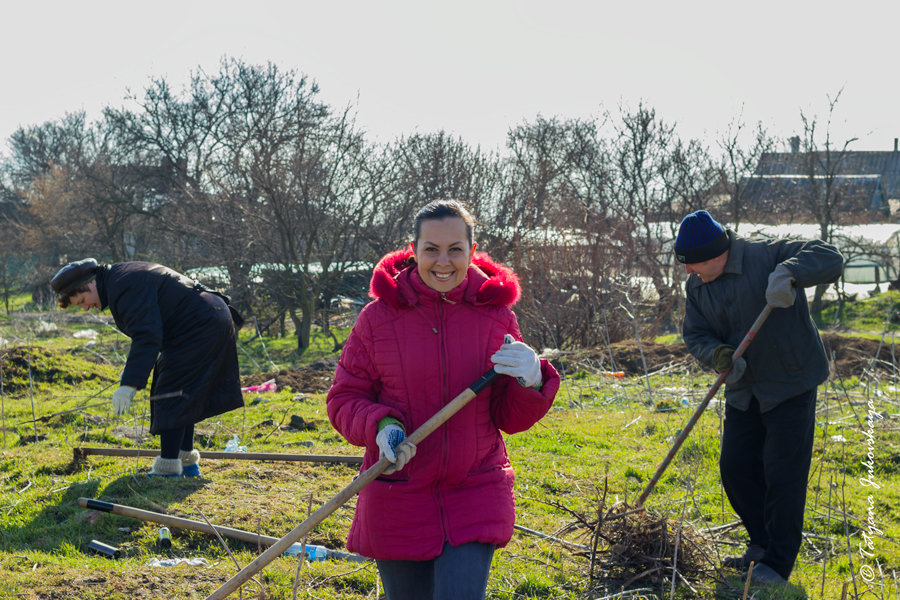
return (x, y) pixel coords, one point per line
(392, 443)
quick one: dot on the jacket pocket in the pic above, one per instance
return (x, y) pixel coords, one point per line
(402, 475)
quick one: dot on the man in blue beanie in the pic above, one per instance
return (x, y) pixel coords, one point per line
(770, 394)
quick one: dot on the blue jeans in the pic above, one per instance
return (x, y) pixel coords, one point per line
(459, 573)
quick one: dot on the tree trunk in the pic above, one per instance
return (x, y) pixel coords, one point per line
(303, 327)
(815, 309)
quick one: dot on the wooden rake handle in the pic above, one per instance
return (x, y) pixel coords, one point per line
(361, 481)
(738, 352)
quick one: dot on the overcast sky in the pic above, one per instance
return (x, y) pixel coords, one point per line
(475, 68)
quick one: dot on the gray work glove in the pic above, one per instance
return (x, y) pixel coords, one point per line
(392, 443)
(737, 370)
(122, 397)
(781, 292)
(519, 360)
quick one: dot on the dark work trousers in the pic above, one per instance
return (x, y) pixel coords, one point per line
(765, 465)
(459, 573)
(173, 440)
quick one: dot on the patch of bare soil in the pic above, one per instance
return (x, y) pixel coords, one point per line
(146, 585)
(314, 378)
(851, 356)
(627, 357)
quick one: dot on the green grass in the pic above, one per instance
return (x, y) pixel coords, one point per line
(671, 338)
(602, 434)
(258, 354)
(17, 302)
(875, 315)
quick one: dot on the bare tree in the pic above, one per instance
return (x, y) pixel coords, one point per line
(36, 150)
(203, 210)
(15, 265)
(83, 190)
(308, 172)
(283, 186)
(823, 161)
(737, 164)
(560, 233)
(658, 177)
(426, 167)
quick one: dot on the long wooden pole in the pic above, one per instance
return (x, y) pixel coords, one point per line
(81, 452)
(180, 523)
(738, 352)
(361, 481)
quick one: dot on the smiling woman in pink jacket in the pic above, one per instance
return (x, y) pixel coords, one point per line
(438, 322)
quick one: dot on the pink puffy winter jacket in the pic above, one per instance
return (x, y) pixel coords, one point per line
(411, 351)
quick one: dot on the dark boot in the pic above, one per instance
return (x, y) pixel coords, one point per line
(763, 574)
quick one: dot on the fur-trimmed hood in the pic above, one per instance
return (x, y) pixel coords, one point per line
(397, 282)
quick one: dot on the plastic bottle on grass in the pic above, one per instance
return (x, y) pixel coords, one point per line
(313, 551)
(233, 445)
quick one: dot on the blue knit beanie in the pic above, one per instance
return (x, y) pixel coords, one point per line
(700, 238)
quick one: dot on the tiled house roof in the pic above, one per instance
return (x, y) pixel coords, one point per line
(864, 182)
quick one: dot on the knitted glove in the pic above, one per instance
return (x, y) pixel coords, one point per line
(392, 443)
(121, 398)
(721, 358)
(781, 292)
(518, 360)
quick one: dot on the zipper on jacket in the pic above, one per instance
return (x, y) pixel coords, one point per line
(445, 436)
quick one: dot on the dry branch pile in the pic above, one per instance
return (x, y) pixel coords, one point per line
(635, 546)
(632, 547)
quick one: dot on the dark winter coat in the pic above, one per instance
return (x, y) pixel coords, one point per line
(786, 357)
(186, 337)
(411, 351)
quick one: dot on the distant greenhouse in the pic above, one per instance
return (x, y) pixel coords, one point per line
(872, 251)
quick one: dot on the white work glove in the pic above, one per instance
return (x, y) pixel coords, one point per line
(519, 360)
(781, 292)
(737, 370)
(121, 399)
(393, 444)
